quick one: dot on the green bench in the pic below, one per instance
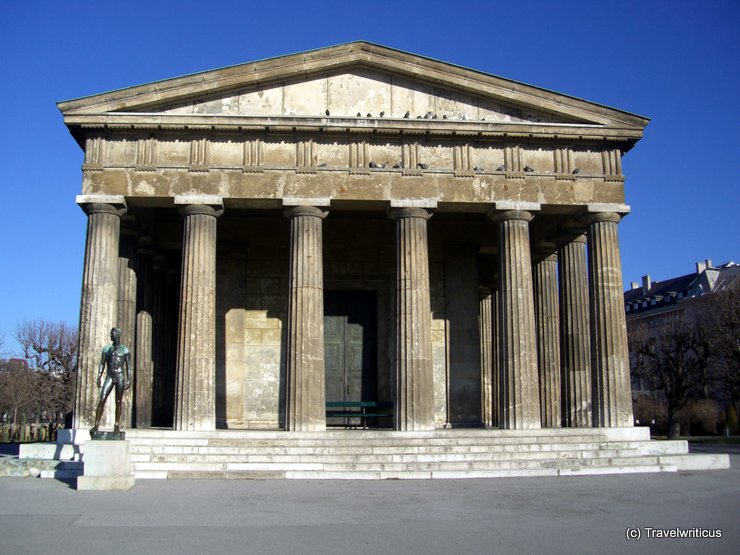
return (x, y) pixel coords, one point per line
(358, 409)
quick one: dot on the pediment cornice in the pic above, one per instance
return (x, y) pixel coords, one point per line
(151, 122)
(145, 101)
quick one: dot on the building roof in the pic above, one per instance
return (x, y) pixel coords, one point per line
(660, 295)
(535, 111)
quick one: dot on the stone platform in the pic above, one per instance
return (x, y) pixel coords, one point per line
(355, 454)
(107, 466)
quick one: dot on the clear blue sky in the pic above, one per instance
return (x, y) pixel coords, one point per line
(674, 62)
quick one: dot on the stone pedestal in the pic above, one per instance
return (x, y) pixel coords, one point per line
(107, 466)
(612, 394)
(548, 338)
(195, 396)
(519, 385)
(99, 304)
(414, 382)
(575, 345)
(306, 392)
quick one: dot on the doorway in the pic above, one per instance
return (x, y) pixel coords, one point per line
(350, 346)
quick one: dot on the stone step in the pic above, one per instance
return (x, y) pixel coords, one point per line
(388, 441)
(367, 450)
(387, 454)
(385, 457)
(611, 434)
(387, 465)
(670, 447)
(698, 461)
(399, 474)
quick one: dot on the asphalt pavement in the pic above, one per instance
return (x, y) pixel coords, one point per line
(581, 514)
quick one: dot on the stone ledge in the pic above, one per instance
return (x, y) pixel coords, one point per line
(697, 461)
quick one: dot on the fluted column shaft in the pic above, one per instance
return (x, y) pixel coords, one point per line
(127, 285)
(496, 360)
(575, 335)
(519, 383)
(98, 307)
(414, 379)
(486, 358)
(548, 339)
(195, 401)
(306, 391)
(144, 334)
(611, 387)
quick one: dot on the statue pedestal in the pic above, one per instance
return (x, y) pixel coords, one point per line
(107, 466)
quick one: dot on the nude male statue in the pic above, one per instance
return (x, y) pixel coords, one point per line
(115, 358)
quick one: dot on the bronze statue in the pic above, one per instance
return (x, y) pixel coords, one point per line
(115, 358)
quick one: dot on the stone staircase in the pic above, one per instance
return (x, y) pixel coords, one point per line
(377, 454)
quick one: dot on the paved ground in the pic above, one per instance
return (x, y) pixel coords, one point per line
(590, 514)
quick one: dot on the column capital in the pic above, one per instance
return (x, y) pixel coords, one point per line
(594, 217)
(200, 209)
(145, 246)
(295, 211)
(96, 204)
(546, 251)
(580, 239)
(497, 216)
(160, 263)
(622, 209)
(102, 208)
(409, 212)
(129, 225)
(513, 210)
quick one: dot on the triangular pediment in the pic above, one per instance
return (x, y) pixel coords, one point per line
(351, 79)
(361, 92)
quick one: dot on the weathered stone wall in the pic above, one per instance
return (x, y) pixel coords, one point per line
(251, 315)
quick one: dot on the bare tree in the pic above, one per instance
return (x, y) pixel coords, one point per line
(722, 322)
(48, 346)
(671, 359)
(19, 390)
(51, 349)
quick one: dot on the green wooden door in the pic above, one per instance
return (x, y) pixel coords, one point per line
(350, 345)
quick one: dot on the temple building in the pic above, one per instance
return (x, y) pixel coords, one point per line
(355, 224)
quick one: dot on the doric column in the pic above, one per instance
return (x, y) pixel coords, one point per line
(485, 324)
(195, 397)
(99, 303)
(306, 391)
(496, 360)
(575, 346)
(548, 338)
(519, 383)
(127, 286)
(168, 360)
(144, 365)
(612, 399)
(414, 382)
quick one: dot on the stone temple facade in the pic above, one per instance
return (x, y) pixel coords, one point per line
(355, 223)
